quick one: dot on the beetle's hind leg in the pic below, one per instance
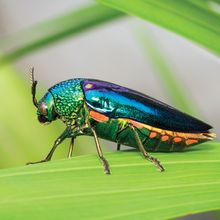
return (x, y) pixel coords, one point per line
(144, 152)
(99, 150)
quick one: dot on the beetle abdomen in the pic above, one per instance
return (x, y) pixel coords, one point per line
(157, 139)
(153, 139)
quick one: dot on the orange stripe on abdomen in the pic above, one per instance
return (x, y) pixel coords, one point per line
(186, 139)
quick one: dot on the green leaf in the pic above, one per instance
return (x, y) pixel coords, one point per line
(58, 28)
(193, 19)
(78, 188)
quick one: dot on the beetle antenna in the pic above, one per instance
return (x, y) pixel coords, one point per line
(33, 86)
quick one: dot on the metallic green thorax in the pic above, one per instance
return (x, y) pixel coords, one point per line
(68, 99)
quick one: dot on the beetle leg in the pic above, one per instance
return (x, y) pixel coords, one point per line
(99, 150)
(118, 146)
(117, 135)
(144, 152)
(70, 153)
(56, 143)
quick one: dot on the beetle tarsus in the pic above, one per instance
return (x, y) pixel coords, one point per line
(40, 161)
(105, 165)
(155, 161)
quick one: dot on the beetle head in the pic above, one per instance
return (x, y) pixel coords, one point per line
(45, 107)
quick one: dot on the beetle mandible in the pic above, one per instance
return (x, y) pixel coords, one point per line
(119, 114)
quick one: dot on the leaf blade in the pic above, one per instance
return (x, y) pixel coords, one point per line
(190, 184)
(187, 18)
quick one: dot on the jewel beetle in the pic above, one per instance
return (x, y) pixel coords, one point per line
(119, 114)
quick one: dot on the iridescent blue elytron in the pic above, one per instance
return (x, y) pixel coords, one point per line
(122, 115)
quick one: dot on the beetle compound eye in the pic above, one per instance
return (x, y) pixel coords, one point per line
(43, 109)
(42, 119)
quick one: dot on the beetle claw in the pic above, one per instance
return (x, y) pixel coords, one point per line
(107, 171)
(105, 165)
(156, 162)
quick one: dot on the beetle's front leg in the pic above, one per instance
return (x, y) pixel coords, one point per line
(75, 132)
(70, 152)
(56, 143)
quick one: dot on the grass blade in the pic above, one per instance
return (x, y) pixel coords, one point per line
(78, 188)
(192, 19)
(69, 24)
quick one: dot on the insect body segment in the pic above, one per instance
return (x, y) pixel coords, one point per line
(153, 139)
(112, 112)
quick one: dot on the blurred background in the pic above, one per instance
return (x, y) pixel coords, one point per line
(124, 50)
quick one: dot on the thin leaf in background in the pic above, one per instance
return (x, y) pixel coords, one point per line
(78, 188)
(169, 80)
(197, 22)
(51, 31)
